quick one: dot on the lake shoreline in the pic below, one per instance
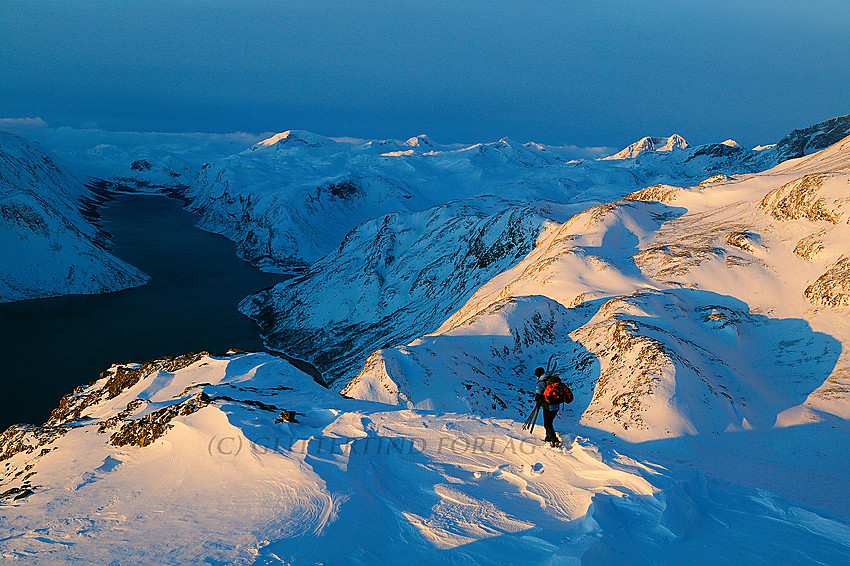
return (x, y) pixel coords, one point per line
(51, 346)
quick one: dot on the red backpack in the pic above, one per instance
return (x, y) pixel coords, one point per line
(557, 393)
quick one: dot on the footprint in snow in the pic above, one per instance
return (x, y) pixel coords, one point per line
(109, 464)
(485, 474)
(533, 469)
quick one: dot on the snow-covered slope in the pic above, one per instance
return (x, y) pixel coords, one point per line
(181, 461)
(762, 252)
(47, 246)
(400, 275)
(395, 277)
(718, 309)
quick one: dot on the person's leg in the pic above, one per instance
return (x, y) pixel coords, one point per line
(548, 423)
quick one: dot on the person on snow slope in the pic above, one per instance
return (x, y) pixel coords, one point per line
(549, 394)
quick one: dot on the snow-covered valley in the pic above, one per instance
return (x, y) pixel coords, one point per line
(694, 298)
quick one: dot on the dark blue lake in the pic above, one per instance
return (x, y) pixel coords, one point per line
(50, 346)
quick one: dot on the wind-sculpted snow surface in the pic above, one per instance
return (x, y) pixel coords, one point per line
(355, 482)
(47, 246)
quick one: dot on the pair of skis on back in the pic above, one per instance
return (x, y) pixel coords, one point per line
(530, 421)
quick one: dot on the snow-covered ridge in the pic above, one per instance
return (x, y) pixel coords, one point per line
(728, 239)
(47, 246)
(814, 138)
(291, 198)
(395, 277)
(396, 308)
(652, 144)
(709, 310)
(204, 442)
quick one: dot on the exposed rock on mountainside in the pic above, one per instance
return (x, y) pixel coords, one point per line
(112, 383)
(805, 198)
(742, 240)
(814, 138)
(810, 247)
(660, 193)
(832, 289)
(147, 429)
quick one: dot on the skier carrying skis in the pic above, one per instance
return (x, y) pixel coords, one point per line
(549, 394)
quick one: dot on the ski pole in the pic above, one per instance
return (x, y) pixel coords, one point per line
(531, 416)
(534, 418)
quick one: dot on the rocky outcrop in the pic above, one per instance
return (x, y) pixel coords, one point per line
(802, 198)
(659, 193)
(810, 247)
(742, 240)
(145, 430)
(118, 379)
(671, 260)
(27, 438)
(34, 441)
(832, 289)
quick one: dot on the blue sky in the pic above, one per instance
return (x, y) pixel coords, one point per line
(585, 73)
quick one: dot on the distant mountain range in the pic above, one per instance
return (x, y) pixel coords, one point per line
(694, 298)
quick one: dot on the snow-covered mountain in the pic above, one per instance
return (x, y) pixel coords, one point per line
(47, 246)
(396, 276)
(721, 254)
(378, 270)
(182, 460)
(814, 138)
(290, 199)
(716, 310)
(651, 144)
